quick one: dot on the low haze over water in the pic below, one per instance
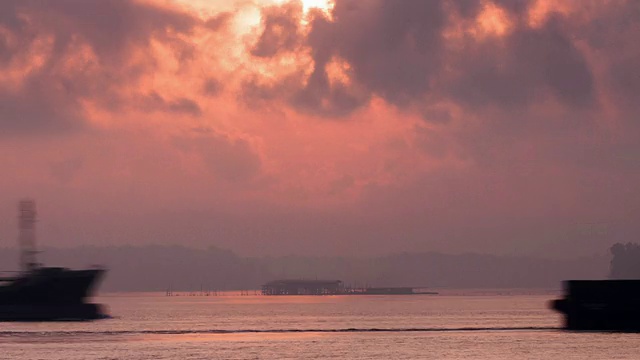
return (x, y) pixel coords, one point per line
(465, 324)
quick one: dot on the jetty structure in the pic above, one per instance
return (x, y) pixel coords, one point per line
(600, 305)
(332, 287)
(39, 293)
(303, 287)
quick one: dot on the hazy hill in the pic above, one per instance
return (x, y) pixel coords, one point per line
(155, 268)
(441, 270)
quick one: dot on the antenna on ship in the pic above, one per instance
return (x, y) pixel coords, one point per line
(27, 237)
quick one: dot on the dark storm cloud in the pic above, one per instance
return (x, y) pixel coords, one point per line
(155, 102)
(111, 28)
(282, 34)
(613, 34)
(281, 30)
(394, 47)
(396, 50)
(219, 22)
(321, 98)
(50, 96)
(523, 68)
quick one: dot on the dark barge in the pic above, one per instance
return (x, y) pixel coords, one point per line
(38, 293)
(50, 294)
(600, 305)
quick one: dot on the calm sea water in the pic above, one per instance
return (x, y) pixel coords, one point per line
(453, 325)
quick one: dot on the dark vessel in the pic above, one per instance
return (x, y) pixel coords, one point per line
(601, 305)
(38, 293)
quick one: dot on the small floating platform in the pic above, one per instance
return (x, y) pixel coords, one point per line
(391, 291)
(333, 287)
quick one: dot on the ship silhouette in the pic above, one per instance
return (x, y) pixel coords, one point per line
(39, 293)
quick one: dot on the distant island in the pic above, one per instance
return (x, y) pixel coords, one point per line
(179, 268)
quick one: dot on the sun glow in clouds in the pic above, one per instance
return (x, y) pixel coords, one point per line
(307, 5)
(324, 5)
(493, 20)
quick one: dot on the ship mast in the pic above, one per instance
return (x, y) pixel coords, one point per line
(27, 237)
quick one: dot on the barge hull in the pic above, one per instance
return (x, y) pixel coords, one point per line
(600, 305)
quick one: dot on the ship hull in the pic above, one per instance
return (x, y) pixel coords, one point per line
(26, 313)
(605, 305)
(46, 294)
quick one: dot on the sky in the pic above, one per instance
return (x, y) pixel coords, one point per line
(344, 127)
